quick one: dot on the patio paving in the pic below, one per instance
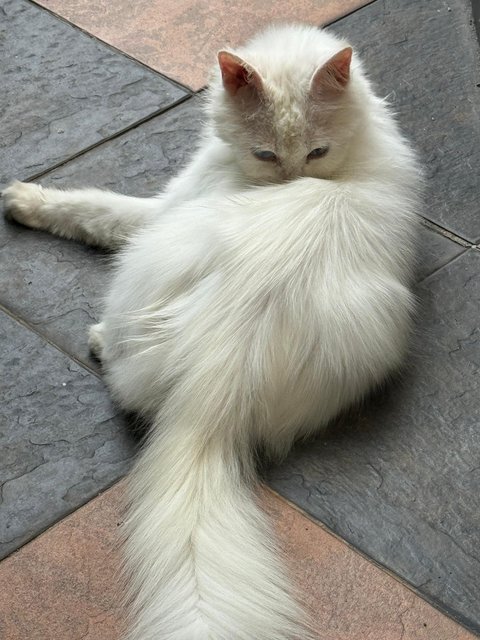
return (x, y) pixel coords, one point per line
(398, 480)
(72, 570)
(181, 39)
(62, 91)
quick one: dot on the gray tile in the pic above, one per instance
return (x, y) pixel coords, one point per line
(62, 91)
(55, 285)
(424, 56)
(434, 250)
(140, 161)
(400, 479)
(61, 440)
(58, 285)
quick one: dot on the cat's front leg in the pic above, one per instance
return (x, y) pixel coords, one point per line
(97, 217)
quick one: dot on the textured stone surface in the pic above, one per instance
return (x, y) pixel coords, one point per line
(61, 441)
(140, 161)
(400, 480)
(181, 39)
(349, 597)
(62, 91)
(434, 250)
(426, 59)
(58, 285)
(66, 583)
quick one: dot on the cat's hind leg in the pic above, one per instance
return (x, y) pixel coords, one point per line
(96, 341)
(94, 216)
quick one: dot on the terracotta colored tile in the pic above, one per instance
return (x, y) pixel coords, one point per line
(179, 38)
(65, 584)
(349, 597)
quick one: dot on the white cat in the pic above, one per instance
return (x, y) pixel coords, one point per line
(265, 291)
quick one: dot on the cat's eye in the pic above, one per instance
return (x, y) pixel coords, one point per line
(267, 156)
(318, 153)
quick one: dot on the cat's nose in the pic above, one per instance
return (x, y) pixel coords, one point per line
(289, 173)
(287, 170)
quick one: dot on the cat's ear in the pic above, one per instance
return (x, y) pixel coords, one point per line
(332, 77)
(236, 73)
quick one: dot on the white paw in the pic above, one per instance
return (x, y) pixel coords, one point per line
(95, 339)
(22, 202)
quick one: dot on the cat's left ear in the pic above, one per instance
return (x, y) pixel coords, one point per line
(237, 74)
(332, 77)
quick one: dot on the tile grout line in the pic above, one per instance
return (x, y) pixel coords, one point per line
(112, 47)
(446, 233)
(27, 325)
(448, 262)
(398, 578)
(55, 523)
(316, 523)
(348, 14)
(344, 541)
(110, 138)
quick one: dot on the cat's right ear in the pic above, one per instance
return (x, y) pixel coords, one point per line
(237, 74)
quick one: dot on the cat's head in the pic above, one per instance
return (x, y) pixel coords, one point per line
(285, 104)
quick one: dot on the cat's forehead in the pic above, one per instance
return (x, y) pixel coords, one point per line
(289, 117)
(289, 120)
(286, 122)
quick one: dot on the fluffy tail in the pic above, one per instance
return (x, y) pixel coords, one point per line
(201, 559)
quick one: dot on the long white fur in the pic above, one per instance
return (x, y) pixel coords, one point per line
(245, 316)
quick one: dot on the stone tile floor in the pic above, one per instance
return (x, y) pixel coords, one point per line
(65, 584)
(398, 480)
(180, 39)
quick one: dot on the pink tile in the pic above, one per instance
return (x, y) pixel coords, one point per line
(179, 38)
(348, 596)
(65, 585)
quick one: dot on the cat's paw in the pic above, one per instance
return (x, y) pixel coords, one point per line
(95, 340)
(22, 202)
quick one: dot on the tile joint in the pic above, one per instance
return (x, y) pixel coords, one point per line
(114, 49)
(27, 325)
(110, 138)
